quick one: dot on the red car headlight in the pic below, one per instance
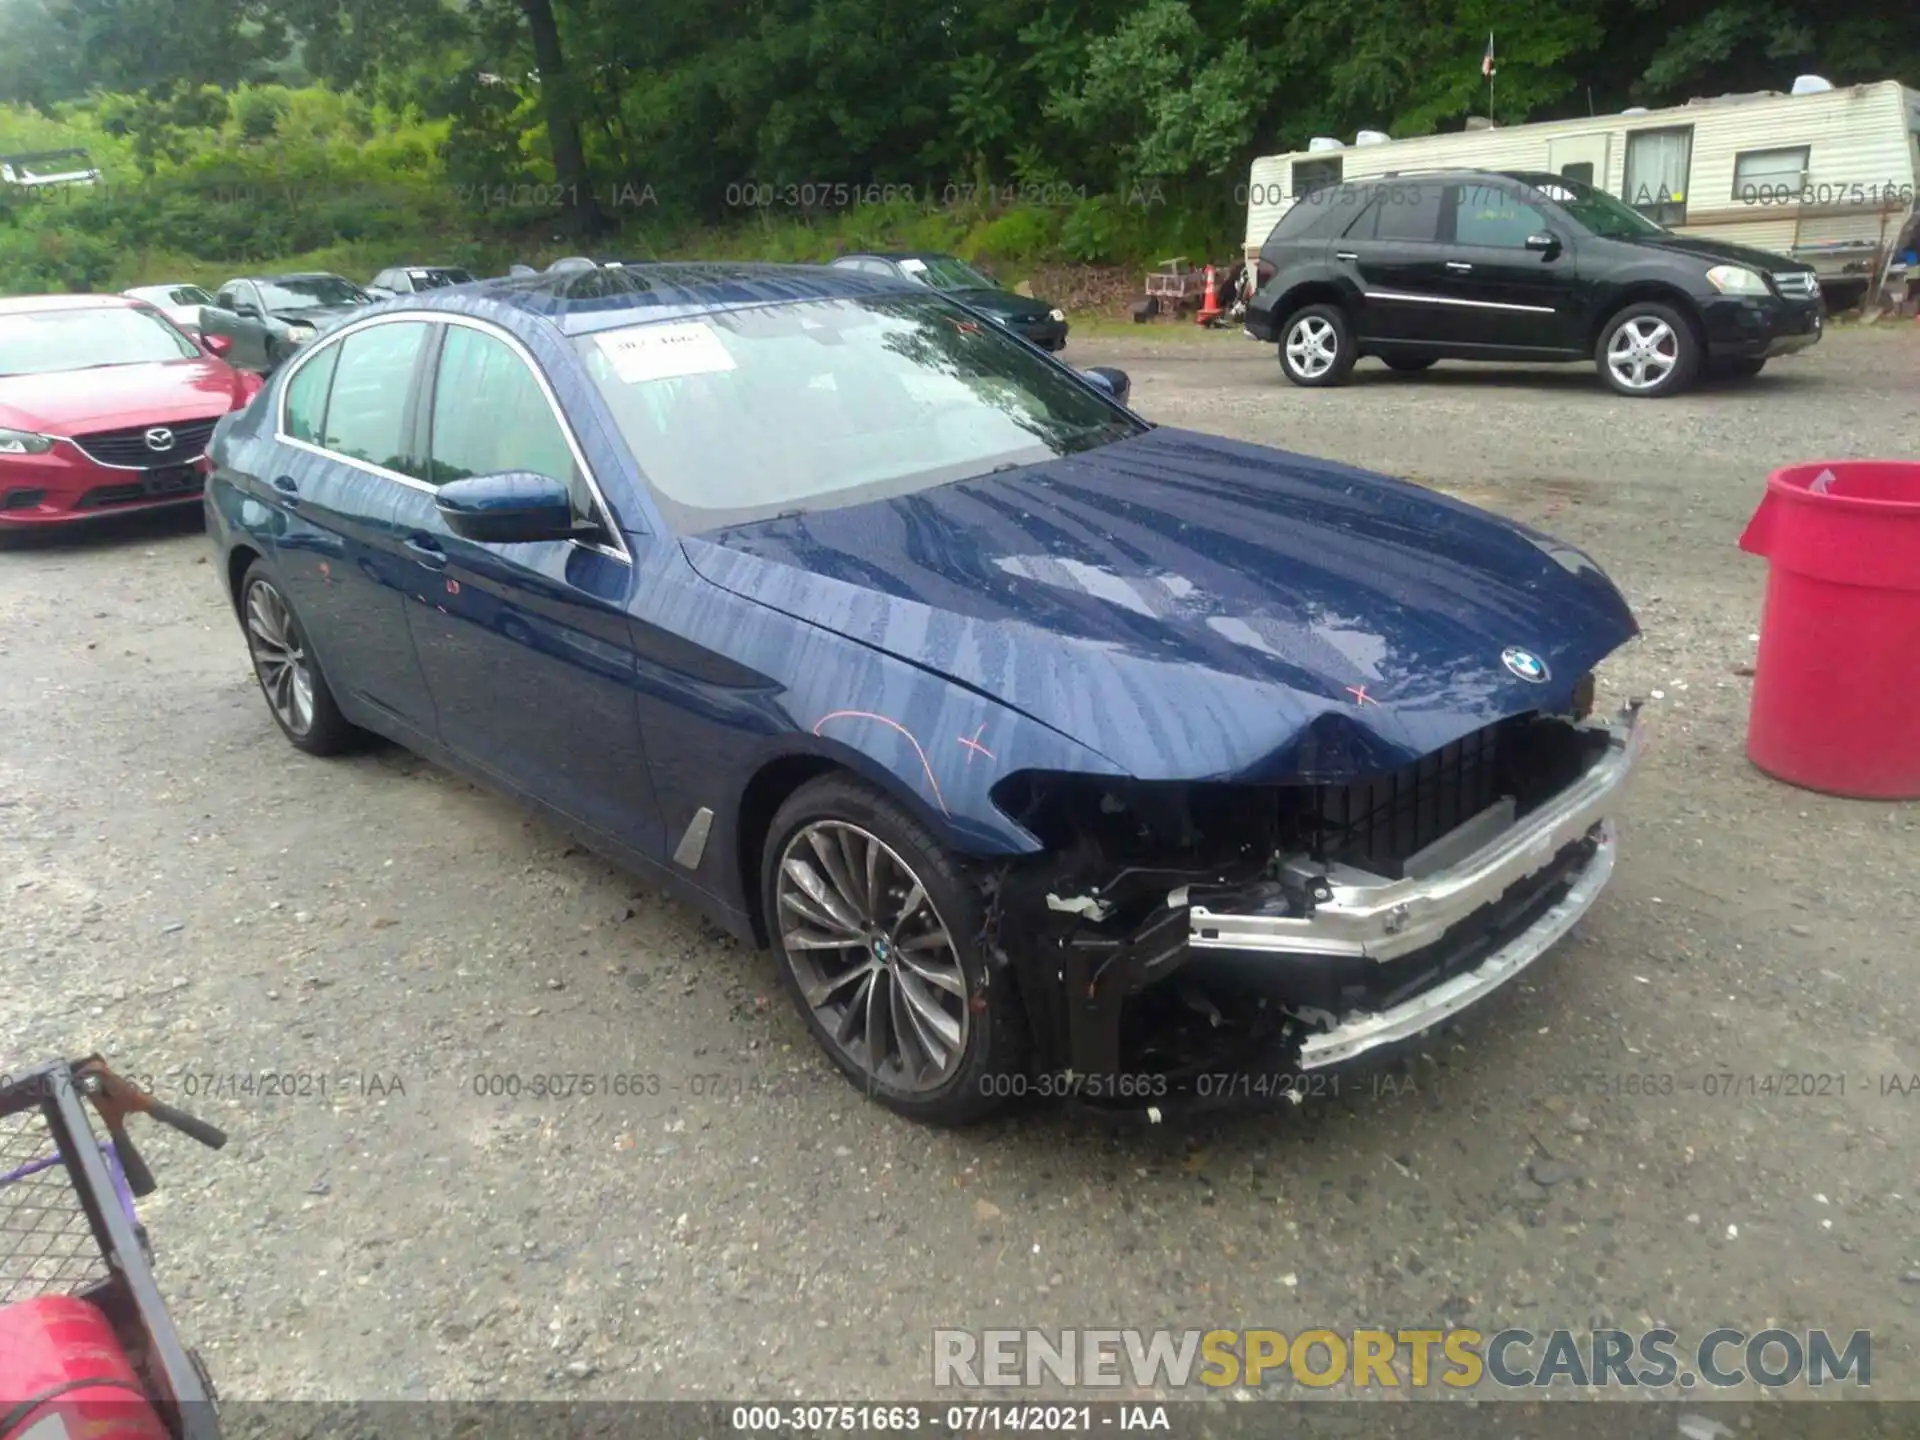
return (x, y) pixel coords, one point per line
(24, 442)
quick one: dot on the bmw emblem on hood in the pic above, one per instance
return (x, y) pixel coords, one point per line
(1524, 663)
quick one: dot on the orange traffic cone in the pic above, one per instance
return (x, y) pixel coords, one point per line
(1210, 307)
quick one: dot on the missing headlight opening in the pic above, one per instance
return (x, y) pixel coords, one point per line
(1180, 931)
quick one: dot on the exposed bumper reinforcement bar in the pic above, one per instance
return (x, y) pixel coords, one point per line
(1362, 1033)
(1372, 917)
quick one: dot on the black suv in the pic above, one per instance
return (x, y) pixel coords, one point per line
(1515, 265)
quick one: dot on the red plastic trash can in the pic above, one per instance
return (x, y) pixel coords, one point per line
(1836, 691)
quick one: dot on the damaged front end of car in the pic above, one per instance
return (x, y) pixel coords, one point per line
(1189, 945)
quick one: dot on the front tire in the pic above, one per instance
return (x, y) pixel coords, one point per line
(876, 930)
(1316, 346)
(297, 694)
(1647, 351)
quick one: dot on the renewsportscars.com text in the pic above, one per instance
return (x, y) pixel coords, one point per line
(1413, 1358)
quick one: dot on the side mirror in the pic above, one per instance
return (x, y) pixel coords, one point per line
(1113, 381)
(216, 344)
(1544, 244)
(511, 508)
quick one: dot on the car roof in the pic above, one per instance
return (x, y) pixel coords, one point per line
(617, 293)
(898, 255)
(29, 304)
(1451, 172)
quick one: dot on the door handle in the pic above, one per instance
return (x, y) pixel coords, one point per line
(1459, 265)
(1345, 255)
(285, 487)
(427, 551)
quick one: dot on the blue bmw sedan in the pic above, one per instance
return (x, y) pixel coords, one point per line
(1050, 751)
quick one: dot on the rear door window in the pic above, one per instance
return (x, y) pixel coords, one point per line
(1404, 214)
(367, 408)
(307, 396)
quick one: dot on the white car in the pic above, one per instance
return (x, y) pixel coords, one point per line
(181, 303)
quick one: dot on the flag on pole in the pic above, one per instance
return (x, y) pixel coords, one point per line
(1486, 63)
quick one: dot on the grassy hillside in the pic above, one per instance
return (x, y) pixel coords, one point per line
(274, 178)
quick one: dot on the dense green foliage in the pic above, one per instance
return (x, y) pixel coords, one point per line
(355, 133)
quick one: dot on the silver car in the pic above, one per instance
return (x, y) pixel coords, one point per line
(180, 303)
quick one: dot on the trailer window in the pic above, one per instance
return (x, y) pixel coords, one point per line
(1657, 165)
(1769, 177)
(1312, 175)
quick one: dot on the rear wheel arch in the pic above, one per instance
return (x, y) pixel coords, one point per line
(1308, 292)
(239, 559)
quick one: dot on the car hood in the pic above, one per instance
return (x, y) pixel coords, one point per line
(1721, 252)
(1004, 304)
(1191, 607)
(75, 402)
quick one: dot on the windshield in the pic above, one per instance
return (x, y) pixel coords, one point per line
(305, 294)
(439, 279)
(1598, 211)
(45, 342)
(748, 414)
(944, 272)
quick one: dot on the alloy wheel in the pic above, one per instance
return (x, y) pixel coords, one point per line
(875, 961)
(1312, 347)
(280, 657)
(1643, 353)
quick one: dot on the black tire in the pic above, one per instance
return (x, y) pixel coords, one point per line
(1410, 364)
(318, 727)
(1737, 369)
(1673, 350)
(994, 1045)
(1336, 332)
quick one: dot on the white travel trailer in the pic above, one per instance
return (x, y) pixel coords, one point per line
(48, 167)
(1825, 175)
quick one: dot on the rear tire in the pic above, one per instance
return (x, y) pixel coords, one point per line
(1316, 346)
(876, 930)
(296, 691)
(1410, 364)
(1648, 351)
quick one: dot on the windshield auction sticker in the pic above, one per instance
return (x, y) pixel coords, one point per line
(664, 352)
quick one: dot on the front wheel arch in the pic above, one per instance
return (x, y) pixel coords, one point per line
(1676, 300)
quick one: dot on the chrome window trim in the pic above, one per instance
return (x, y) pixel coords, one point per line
(1455, 300)
(617, 551)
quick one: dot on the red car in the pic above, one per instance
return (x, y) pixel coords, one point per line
(105, 406)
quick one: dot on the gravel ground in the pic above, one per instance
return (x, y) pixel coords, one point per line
(185, 891)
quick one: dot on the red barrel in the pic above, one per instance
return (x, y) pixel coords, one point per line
(59, 1357)
(1836, 691)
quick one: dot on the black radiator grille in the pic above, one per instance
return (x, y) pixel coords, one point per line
(129, 447)
(1376, 824)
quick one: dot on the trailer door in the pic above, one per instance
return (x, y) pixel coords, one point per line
(1580, 157)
